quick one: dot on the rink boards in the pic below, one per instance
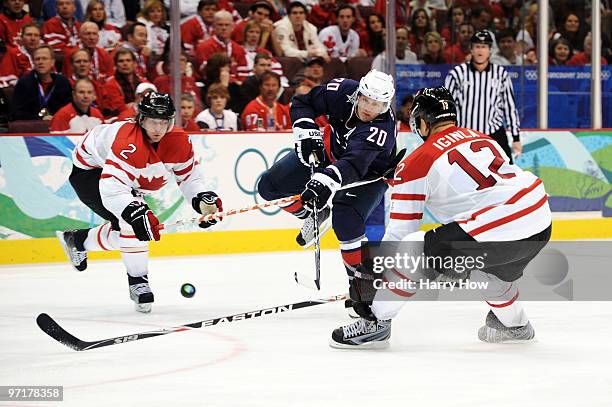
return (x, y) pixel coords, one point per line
(36, 198)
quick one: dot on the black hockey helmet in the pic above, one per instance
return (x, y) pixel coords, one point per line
(156, 106)
(482, 37)
(432, 105)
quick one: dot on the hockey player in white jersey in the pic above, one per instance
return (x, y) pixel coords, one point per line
(114, 166)
(467, 182)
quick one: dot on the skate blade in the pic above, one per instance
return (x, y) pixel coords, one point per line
(364, 346)
(60, 237)
(322, 230)
(144, 308)
(512, 341)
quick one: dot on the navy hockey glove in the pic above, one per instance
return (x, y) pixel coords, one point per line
(321, 188)
(308, 142)
(206, 203)
(142, 220)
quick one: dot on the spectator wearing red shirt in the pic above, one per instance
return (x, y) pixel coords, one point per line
(101, 62)
(81, 68)
(135, 36)
(433, 53)
(372, 39)
(402, 11)
(79, 116)
(62, 31)
(12, 20)
(264, 112)
(584, 58)
(470, 5)
(199, 27)
(506, 14)
(18, 60)
(419, 26)
(323, 14)
(141, 90)
(188, 84)
(109, 35)
(188, 105)
(450, 32)
(119, 89)
(456, 53)
(559, 52)
(221, 42)
(259, 12)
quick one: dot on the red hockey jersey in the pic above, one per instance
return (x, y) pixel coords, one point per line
(257, 109)
(68, 120)
(130, 163)
(15, 62)
(194, 30)
(10, 29)
(59, 35)
(237, 54)
(461, 175)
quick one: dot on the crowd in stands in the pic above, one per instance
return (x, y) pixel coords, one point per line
(72, 64)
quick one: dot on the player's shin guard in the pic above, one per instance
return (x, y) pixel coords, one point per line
(102, 238)
(135, 256)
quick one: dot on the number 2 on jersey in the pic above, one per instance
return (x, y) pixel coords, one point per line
(483, 182)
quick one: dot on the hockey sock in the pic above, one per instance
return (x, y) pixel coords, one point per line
(102, 238)
(297, 209)
(351, 253)
(509, 311)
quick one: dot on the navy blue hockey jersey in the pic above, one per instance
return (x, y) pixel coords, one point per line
(361, 151)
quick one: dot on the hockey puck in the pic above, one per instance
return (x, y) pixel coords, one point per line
(188, 290)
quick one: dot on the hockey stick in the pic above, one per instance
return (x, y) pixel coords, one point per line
(55, 331)
(317, 237)
(275, 202)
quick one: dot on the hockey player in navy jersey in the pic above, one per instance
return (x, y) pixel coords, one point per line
(359, 143)
(487, 206)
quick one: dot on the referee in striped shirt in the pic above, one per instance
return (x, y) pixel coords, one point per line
(484, 96)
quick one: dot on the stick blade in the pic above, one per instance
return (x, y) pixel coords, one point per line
(52, 328)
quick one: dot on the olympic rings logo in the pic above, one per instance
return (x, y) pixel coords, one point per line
(255, 153)
(532, 75)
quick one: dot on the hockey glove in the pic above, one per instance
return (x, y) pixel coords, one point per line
(308, 142)
(362, 290)
(206, 203)
(321, 188)
(142, 221)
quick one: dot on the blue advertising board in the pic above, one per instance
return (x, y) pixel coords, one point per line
(569, 92)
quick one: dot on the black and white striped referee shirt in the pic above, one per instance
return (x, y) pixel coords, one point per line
(485, 100)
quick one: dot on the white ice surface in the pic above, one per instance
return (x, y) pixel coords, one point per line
(435, 358)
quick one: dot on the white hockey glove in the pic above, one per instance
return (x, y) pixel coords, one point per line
(321, 188)
(307, 142)
(206, 203)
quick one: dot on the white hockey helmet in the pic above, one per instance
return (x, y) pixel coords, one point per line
(379, 86)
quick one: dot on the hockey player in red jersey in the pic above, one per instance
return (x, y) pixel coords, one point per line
(466, 181)
(114, 166)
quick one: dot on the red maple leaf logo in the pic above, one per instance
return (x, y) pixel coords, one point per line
(152, 185)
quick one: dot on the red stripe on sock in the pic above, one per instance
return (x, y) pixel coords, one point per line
(505, 304)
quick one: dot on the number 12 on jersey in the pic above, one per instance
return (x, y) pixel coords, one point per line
(455, 157)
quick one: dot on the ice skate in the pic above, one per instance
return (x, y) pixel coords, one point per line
(77, 258)
(307, 236)
(362, 334)
(140, 293)
(495, 332)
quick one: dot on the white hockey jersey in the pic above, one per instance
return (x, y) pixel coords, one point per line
(461, 175)
(130, 163)
(331, 38)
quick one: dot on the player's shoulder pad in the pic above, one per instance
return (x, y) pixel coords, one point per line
(176, 146)
(415, 165)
